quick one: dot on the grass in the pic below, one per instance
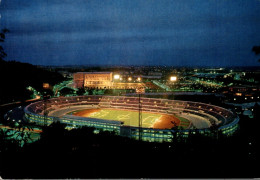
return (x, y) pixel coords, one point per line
(130, 118)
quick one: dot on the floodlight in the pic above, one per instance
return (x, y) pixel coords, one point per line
(116, 76)
(173, 78)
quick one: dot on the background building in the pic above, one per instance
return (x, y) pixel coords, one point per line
(98, 80)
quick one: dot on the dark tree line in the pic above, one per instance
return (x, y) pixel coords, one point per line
(256, 50)
(16, 76)
(80, 153)
(2, 39)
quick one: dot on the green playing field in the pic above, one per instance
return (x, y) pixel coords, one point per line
(130, 118)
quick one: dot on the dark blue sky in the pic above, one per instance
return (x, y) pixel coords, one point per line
(132, 32)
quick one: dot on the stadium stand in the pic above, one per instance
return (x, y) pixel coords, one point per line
(202, 116)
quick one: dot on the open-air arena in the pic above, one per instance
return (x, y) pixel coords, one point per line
(159, 117)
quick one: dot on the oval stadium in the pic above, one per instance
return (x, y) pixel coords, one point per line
(160, 117)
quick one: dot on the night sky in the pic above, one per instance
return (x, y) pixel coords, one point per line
(132, 32)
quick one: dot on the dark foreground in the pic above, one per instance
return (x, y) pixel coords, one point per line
(80, 153)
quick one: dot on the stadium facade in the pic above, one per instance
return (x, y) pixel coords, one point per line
(226, 121)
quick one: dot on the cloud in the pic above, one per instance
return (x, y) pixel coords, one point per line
(109, 31)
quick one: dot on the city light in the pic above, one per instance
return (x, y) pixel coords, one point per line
(116, 76)
(173, 78)
(46, 85)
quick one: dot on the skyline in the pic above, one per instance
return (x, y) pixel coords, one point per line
(201, 33)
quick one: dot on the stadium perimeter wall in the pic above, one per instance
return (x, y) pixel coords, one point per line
(227, 121)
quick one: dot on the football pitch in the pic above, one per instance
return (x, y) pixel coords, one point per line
(131, 118)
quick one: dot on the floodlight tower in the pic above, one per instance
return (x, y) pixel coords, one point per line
(140, 91)
(45, 97)
(173, 78)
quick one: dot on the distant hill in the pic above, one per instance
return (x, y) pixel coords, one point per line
(16, 76)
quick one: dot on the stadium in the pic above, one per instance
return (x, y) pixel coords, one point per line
(121, 115)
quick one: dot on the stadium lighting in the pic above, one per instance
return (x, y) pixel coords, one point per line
(116, 76)
(33, 115)
(173, 78)
(138, 79)
(129, 79)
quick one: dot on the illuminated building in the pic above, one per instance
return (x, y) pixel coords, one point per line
(99, 80)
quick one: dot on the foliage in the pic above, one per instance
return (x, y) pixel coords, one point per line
(66, 91)
(80, 153)
(256, 50)
(16, 76)
(81, 91)
(2, 39)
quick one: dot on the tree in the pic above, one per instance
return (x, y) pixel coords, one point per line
(2, 39)
(7, 141)
(66, 91)
(256, 50)
(17, 76)
(81, 91)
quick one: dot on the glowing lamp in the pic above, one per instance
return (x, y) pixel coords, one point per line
(173, 78)
(46, 85)
(116, 76)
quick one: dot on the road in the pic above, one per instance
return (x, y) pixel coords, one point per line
(19, 102)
